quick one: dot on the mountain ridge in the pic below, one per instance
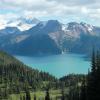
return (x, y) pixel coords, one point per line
(53, 37)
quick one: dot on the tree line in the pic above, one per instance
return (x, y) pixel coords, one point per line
(89, 88)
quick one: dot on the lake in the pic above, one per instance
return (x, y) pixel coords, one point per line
(58, 65)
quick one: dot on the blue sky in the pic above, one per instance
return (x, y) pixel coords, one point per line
(64, 10)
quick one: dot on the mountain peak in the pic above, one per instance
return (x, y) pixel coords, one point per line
(28, 20)
(73, 23)
(56, 22)
(53, 25)
(9, 30)
(23, 23)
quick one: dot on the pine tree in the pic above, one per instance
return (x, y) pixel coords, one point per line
(91, 86)
(93, 63)
(47, 97)
(34, 97)
(98, 76)
(24, 97)
(28, 97)
(21, 98)
(93, 82)
(83, 94)
(63, 97)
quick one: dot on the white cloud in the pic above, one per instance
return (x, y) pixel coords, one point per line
(51, 8)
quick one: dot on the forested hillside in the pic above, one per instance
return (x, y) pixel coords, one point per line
(89, 89)
(16, 77)
(20, 82)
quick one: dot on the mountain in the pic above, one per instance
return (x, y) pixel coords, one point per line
(9, 31)
(22, 23)
(53, 37)
(34, 41)
(84, 38)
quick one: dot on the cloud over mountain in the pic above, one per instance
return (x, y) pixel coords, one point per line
(86, 10)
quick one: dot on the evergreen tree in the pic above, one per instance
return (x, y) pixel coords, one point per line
(28, 97)
(93, 63)
(24, 97)
(34, 97)
(21, 98)
(63, 96)
(83, 94)
(91, 85)
(47, 97)
(93, 79)
(97, 77)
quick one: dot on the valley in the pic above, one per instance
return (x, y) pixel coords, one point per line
(51, 60)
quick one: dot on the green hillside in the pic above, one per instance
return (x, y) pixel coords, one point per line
(7, 59)
(18, 81)
(16, 77)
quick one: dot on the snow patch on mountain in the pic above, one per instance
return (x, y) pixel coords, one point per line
(65, 27)
(88, 26)
(21, 23)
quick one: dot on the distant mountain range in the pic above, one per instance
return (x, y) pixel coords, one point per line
(49, 37)
(22, 23)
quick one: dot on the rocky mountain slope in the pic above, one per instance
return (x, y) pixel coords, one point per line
(52, 37)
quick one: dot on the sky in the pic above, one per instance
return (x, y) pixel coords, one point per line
(63, 10)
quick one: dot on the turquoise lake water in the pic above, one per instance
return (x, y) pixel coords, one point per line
(58, 65)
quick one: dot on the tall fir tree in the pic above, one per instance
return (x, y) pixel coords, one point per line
(47, 97)
(34, 97)
(63, 96)
(93, 81)
(83, 93)
(28, 96)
